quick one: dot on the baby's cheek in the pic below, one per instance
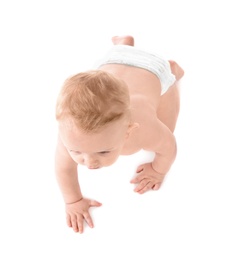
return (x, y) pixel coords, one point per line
(111, 160)
(77, 159)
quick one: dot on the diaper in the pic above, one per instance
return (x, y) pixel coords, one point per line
(129, 55)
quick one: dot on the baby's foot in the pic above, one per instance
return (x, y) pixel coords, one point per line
(176, 70)
(124, 40)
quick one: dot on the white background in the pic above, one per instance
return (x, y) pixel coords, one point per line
(44, 42)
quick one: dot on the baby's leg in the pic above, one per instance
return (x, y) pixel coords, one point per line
(124, 40)
(169, 105)
(176, 70)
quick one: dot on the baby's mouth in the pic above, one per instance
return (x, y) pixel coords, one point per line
(93, 167)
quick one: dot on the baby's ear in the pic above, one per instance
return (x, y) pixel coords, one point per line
(131, 128)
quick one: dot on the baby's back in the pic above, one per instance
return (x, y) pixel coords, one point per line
(145, 92)
(141, 83)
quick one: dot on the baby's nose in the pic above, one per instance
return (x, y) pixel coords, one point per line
(91, 162)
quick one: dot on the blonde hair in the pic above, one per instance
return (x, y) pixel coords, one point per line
(92, 100)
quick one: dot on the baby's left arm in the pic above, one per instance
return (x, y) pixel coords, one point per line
(162, 141)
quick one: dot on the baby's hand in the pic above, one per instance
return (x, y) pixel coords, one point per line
(147, 178)
(78, 212)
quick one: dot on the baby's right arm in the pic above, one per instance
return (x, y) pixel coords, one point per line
(77, 207)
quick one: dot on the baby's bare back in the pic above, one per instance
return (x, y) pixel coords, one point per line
(145, 93)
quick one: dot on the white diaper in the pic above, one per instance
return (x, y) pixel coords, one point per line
(129, 55)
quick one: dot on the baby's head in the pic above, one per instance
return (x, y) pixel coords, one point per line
(93, 111)
(93, 99)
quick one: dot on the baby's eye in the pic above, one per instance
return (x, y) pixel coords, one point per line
(75, 152)
(104, 152)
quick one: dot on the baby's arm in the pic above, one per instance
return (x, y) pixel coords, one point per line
(77, 207)
(162, 141)
(164, 144)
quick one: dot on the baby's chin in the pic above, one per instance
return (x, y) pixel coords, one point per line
(100, 166)
(97, 167)
(93, 168)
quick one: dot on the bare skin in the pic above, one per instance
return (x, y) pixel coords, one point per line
(153, 116)
(169, 104)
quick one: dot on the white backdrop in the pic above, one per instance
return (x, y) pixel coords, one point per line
(44, 42)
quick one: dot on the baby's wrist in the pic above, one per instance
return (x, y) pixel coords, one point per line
(158, 171)
(73, 202)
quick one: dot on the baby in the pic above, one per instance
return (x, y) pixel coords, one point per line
(128, 103)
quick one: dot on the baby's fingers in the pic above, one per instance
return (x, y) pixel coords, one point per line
(68, 220)
(141, 185)
(140, 168)
(94, 203)
(137, 178)
(156, 186)
(74, 224)
(80, 224)
(88, 219)
(77, 222)
(144, 186)
(87, 216)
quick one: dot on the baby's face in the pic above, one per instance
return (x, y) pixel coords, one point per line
(95, 150)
